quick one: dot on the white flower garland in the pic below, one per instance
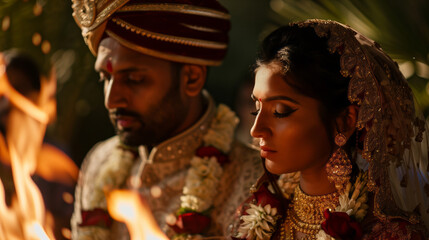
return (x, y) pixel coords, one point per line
(201, 184)
(258, 224)
(204, 174)
(112, 175)
(201, 181)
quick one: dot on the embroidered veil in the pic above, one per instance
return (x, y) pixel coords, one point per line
(392, 133)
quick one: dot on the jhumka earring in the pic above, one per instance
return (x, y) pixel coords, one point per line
(339, 166)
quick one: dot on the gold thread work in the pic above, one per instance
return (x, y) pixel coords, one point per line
(169, 38)
(180, 8)
(162, 55)
(91, 13)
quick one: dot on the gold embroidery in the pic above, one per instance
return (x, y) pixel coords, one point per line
(91, 13)
(199, 28)
(306, 213)
(386, 108)
(84, 12)
(162, 55)
(169, 38)
(180, 8)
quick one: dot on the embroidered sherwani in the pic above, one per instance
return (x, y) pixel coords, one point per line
(165, 167)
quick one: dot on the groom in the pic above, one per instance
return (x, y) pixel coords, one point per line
(174, 144)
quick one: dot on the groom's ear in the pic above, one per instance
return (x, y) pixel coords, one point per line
(193, 78)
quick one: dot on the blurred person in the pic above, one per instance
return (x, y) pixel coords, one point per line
(344, 149)
(174, 144)
(243, 105)
(56, 173)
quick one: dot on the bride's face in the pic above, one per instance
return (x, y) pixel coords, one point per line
(288, 125)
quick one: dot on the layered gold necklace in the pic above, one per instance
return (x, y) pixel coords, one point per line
(305, 214)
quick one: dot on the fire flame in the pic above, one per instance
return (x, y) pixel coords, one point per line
(25, 218)
(129, 207)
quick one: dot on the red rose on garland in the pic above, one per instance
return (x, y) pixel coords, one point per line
(340, 225)
(96, 217)
(262, 197)
(191, 223)
(209, 151)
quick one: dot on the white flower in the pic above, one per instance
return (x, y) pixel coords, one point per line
(322, 235)
(221, 132)
(112, 174)
(195, 203)
(202, 178)
(288, 182)
(259, 223)
(203, 189)
(346, 205)
(204, 173)
(356, 204)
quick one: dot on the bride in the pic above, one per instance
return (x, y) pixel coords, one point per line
(335, 120)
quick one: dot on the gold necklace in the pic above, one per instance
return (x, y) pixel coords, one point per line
(305, 214)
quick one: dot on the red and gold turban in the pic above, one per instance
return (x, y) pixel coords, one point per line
(187, 31)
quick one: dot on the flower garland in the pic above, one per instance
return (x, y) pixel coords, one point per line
(261, 221)
(200, 184)
(96, 220)
(203, 176)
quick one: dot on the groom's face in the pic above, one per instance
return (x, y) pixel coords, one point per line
(142, 94)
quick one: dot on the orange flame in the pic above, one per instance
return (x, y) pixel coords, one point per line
(25, 218)
(129, 207)
(55, 166)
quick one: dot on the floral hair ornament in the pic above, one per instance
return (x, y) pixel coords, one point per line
(394, 145)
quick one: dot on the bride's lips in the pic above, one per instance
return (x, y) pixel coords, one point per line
(266, 151)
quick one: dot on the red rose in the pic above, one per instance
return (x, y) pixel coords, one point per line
(340, 225)
(191, 223)
(96, 217)
(263, 197)
(209, 151)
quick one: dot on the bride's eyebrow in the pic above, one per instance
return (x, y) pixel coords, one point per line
(278, 97)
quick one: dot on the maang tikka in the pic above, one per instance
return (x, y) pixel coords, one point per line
(339, 166)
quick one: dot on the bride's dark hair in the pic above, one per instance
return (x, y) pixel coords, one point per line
(308, 67)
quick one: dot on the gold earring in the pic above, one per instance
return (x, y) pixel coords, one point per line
(339, 166)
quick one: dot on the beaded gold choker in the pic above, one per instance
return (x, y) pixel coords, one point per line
(305, 213)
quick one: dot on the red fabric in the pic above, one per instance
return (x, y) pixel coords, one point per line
(263, 197)
(178, 25)
(211, 4)
(191, 223)
(397, 229)
(340, 225)
(210, 151)
(96, 217)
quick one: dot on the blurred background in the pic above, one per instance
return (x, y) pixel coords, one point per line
(47, 31)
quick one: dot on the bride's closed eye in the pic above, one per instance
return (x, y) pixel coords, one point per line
(282, 110)
(257, 106)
